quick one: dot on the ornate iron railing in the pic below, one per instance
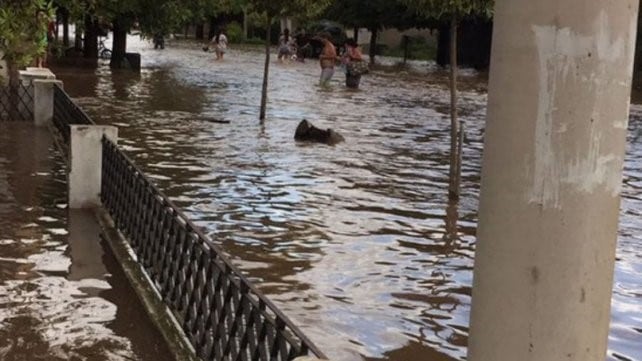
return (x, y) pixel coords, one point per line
(16, 102)
(224, 316)
(66, 113)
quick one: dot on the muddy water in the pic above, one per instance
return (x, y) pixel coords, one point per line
(62, 297)
(356, 242)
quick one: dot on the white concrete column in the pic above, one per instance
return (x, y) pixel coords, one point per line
(84, 179)
(558, 105)
(43, 101)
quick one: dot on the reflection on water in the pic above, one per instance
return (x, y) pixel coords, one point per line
(356, 242)
(62, 297)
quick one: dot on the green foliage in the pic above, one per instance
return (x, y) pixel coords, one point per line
(162, 17)
(373, 14)
(234, 32)
(153, 16)
(437, 9)
(419, 48)
(294, 8)
(255, 41)
(23, 30)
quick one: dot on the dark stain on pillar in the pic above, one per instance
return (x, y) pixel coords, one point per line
(583, 296)
(535, 274)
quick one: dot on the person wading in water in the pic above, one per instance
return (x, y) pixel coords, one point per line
(327, 59)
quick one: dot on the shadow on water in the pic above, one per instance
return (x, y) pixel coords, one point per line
(355, 242)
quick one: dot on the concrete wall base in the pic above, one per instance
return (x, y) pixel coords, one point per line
(160, 315)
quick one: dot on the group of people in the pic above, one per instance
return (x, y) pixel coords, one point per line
(351, 59)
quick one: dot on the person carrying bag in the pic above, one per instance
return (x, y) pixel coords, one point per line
(354, 63)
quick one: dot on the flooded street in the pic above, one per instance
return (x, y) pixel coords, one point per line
(356, 242)
(62, 296)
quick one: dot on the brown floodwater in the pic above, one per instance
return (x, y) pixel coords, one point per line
(62, 295)
(356, 242)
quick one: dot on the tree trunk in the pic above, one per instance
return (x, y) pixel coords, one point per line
(406, 41)
(266, 72)
(57, 26)
(200, 31)
(119, 45)
(460, 153)
(356, 34)
(443, 47)
(373, 45)
(452, 216)
(14, 95)
(245, 24)
(65, 27)
(453, 189)
(213, 28)
(78, 37)
(91, 38)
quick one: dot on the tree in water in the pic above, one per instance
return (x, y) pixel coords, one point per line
(271, 10)
(452, 11)
(152, 16)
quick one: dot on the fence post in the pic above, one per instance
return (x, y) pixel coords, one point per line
(85, 159)
(43, 101)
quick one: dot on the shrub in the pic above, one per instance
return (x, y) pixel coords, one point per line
(234, 32)
(419, 48)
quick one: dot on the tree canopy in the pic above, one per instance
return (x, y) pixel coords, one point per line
(437, 9)
(372, 14)
(23, 27)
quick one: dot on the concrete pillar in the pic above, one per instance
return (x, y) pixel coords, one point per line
(552, 170)
(43, 101)
(30, 74)
(84, 179)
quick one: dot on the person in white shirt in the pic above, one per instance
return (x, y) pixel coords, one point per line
(286, 45)
(220, 44)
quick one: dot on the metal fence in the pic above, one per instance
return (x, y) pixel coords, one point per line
(16, 102)
(66, 113)
(222, 313)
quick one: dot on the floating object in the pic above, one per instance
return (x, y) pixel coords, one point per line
(308, 132)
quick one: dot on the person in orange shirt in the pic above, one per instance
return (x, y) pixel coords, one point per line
(327, 59)
(354, 63)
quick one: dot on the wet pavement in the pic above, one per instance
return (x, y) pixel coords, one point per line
(357, 242)
(62, 296)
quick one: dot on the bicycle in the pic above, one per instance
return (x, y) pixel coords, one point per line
(103, 51)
